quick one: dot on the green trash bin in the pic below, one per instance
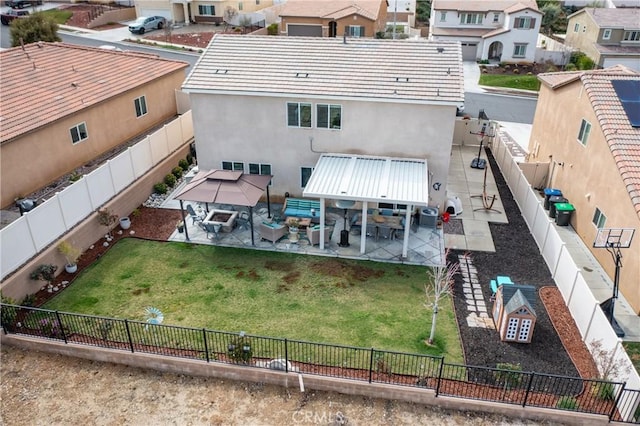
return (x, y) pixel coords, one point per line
(563, 213)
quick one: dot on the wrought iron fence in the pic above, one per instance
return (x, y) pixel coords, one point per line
(365, 364)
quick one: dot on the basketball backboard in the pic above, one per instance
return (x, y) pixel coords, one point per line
(613, 237)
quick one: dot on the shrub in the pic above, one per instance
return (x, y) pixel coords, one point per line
(189, 159)
(567, 403)
(183, 164)
(240, 350)
(510, 374)
(272, 29)
(483, 61)
(160, 188)
(570, 67)
(177, 172)
(170, 180)
(107, 219)
(45, 272)
(29, 300)
(69, 251)
(604, 390)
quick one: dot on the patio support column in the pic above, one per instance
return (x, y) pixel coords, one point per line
(186, 233)
(407, 227)
(363, 227)
(322, 204)
(268, 205)
(253, 243)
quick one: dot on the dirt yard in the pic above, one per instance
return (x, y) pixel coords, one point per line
(43, 389)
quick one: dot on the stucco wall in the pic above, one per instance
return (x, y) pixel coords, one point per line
(30, 162)
(588, 177)
(585, 37)
(371, 27)
(254, 129)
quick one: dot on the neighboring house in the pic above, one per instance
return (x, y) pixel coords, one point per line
(502, 30)
(403, 12)
(333, 18)
(593, 150)
(273, 105)
(64, 105)
(187, 11)
(608, 36)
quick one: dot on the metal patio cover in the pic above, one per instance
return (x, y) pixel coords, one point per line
(225, 187)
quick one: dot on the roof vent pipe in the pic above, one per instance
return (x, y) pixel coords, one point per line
(440, 49)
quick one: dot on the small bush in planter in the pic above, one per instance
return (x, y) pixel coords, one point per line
(177, 172)
(70, 252)
(183, 164)
(160, 188)
(170, 180)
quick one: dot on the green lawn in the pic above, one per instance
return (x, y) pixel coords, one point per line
(318, 299)
(525, 82)
(633, 350)
(59, 16)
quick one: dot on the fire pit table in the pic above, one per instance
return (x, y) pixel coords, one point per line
(225, 218)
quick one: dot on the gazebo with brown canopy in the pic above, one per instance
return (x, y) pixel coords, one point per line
(226, 187)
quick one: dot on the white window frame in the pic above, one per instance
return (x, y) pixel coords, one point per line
(468, 18)
(329, 109)
(240, 6)
(606, 35)
(299, 106)
(81, 133)
(140, 105)
(523, 22)
(305, 179)
(233, 165)
(631, 36)
(584, 132)
(206, 10)
(443, 16)
(496, 18)
(576, 27)
(599, 219)
(355, 30)
(262, 169)
(516, 50)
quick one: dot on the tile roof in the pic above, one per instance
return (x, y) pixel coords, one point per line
(496, 32)
(623, 140)
(45, 82)
(334, 9)
(484, 5)
(360, 68)
(628, 18)
(611, 49)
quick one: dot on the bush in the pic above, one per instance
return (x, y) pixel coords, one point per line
(183, 164)
(189, 159)
(177, 172)
(160, 188)
(272, 29)
(567, 403)
(170, 180)
(483, 61)
(604, 390)
(570, 67)
(240, 350)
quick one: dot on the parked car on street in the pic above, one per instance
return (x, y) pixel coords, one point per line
(10, 15)
(147, 23)
(21, 4)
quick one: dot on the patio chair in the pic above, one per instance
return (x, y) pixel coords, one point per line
(243, 220)
(193, 215)
(385, 232)
(372, 230)
(271, 231)
(355, 229)
(212, 230)
(313, 234)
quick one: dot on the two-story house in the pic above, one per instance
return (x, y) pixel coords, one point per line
(274, 105)
(502, 30)
(64, 105)
(205, 11)
(593, 151)
(608, 36)
(333, 18)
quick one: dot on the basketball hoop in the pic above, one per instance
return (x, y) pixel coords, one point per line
(614, 239)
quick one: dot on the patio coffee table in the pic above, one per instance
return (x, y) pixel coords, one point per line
(303, 223)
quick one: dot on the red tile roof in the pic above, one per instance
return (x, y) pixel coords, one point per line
(45, 82)
(623, 140)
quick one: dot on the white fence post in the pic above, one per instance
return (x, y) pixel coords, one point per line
(593, 312)
(64, 221)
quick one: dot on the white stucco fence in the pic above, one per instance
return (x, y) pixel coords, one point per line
(585, 309)
(27, 236)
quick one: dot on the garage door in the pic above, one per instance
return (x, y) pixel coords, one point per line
(633, 63)
(469, 51)
(156, 12)
(305, 30)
